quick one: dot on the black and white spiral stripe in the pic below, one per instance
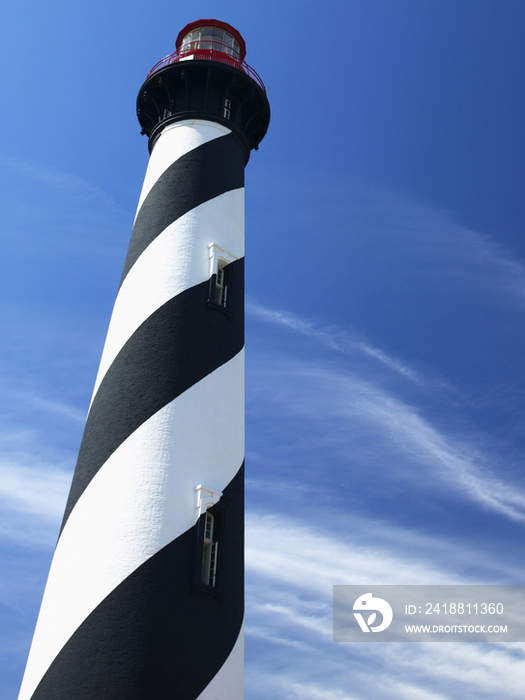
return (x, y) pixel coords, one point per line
(119, 618)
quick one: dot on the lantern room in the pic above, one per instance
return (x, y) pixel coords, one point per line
(210, 36)
(205, 78)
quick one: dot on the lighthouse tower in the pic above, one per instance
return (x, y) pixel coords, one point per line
(145, 596)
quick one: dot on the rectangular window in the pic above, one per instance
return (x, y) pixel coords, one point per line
(209, 553)
(220, 294)
(221, 287)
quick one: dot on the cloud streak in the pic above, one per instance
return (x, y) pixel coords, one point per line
(333, 339)
(321, 392)
(58, 181)
(60, 408)
(37, 490)
(456, 251)
(461, 464)
(395, 235)
(291, 568)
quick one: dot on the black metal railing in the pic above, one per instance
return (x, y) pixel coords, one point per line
(207, 54)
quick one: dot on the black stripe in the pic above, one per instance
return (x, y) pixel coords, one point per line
(177, 346)
(196, 177)
(152, 638)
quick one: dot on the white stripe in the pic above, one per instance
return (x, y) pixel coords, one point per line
(176, 260)
(228, 683)
(177, 140)
(138, 502)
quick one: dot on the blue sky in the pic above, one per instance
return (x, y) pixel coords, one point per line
(386, 294)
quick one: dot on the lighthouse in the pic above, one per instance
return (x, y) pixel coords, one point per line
(145, 595)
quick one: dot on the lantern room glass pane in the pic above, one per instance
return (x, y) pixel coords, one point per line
(211, 38)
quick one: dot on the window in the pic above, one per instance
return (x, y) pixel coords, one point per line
(211, 39)
(208, 544)
(220, 278)
(210, 551)
(221, 287)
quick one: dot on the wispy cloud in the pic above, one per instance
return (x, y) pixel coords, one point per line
(69, 216)
(60, 408)
(320, 391)
(59, 181)
(460, 462)
(308, 691)
(489, 670)
(32, 500)
(334, 339)
(35, 477)
(291, 567)
(409, 691)
(36, 489)
(308, 557)
(436, 236)
(353, 407)
(395, 237)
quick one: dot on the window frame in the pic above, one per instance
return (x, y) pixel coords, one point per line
(206, 503)
(210, 551)
(220, 259)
